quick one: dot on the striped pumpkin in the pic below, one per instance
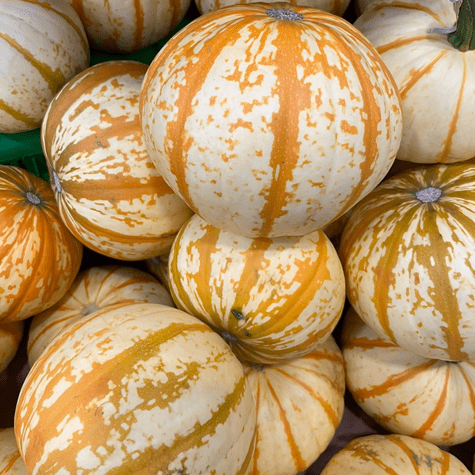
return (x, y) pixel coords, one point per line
(39, 257)
(11, 334)
(270, 119)
(10, 460)
(299, 406)
(393, 454)
(128, 25)
(271, 298)
(337, 7)
(142, 389)
(42, 45)
(405, 393)
(109, 193)
(93, 289)
(408, 254)
(158, 267)
(437, 106)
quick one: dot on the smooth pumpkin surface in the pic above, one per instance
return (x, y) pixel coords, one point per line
(39, 257)
(407, 250)
(43, 45)
(108, 190)
(405, 393)
(11, 334)
(143, 389)
(393, 454)
(270, 119)
(271, 298)
(435, 79)
(92, 290)
(299, 406)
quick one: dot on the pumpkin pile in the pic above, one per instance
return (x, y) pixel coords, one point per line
(265, 220)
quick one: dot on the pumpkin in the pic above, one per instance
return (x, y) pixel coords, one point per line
(270, 119)
(393, 454)
(141, 388)
(124, 26)
(11, 334)
(10, 460)
(430, 399)
(337, 7)
(93, 289)
(39, 257)
(158, 267)
(109, 193)
(299, 405)
(271, 298)
(434, 77)
(43, 44)
(407, 253)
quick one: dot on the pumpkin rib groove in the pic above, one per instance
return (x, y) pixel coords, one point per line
(408, 5)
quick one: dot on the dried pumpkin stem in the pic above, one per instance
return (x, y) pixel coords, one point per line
(32, 198)
(284, 14)
(463, 38)
(429, 194)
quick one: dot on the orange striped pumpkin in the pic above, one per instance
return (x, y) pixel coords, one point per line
(93, 289)
(299, 405)
(108, 190)
(39, 257)
(43, 44)
(393, 454)
(127, 25)
(408, 254)
(337, 7)
(430, 399)
(437, 106)
(11, 334)
(10, 460)
(270, 119)
(142, 388)
(271, 298)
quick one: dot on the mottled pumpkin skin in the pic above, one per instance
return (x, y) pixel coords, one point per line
(267, 127)
(92, 290)
(393, 454)
(406, 393)
(409, 262)
(127, 25)
(43, 45)
(271, 298)
(10, 460)
(143, 389)
(39, 257)
(108, 190)
(299, 406)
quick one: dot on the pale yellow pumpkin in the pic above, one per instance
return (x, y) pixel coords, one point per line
(93, 289)
(271, 298)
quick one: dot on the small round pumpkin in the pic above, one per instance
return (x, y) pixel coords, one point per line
(39, 257)
(10, 460)
(270, 119)
(43, 44)
(271, 298)
(407, 250)
(141, 388)
(109, 192)
(405, 393)
(93, 289)
(393, 454)
(299, 405)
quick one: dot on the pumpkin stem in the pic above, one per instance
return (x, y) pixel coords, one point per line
(429, 194)
(284, 14)
(463, 38)
(57, 183)
(32, 198)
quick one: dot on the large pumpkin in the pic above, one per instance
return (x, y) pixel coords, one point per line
(128, 25)
(299, 405)
(393, 454)
(405, 393)
(408, 254)
(271, 298)
(42, 45)
(142, 388)
(93, 289)
(270, 119)
(109, 192)
(435, 78)
(39, 257)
